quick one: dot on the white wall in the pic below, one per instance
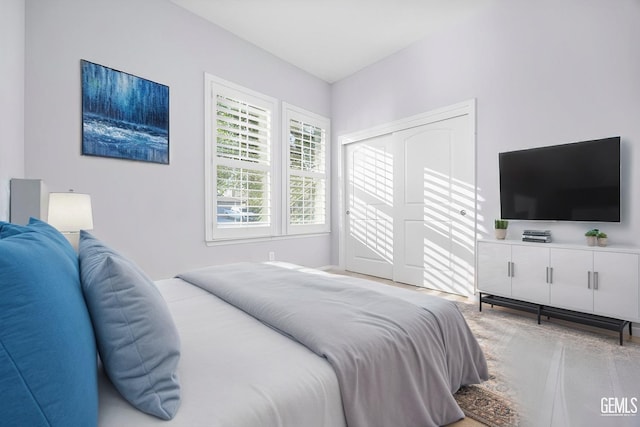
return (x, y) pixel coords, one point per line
(154, 213)
(543, 73)
(12, 28)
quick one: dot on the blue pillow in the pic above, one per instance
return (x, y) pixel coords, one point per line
(137, 340)
(48, 361)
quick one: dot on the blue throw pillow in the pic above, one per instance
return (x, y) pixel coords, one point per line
(48, 361)
(137, 340)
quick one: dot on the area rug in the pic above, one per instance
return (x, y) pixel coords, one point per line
(486, 407)
(493, 402)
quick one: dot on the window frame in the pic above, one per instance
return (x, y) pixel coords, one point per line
(215, 86)
(291, 112)
(281, 113)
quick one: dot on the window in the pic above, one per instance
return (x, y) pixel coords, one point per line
(307, 161)
(246, 167)
(239, 148)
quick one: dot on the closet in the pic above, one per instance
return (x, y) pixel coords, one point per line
(410, 200)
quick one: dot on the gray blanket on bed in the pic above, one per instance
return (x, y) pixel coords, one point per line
(397, 363)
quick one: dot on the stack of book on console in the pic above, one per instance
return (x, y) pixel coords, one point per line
(539, 236)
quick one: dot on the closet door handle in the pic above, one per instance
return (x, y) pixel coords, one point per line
(588, 280)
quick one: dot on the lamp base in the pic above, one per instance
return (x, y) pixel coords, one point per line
(73, 237)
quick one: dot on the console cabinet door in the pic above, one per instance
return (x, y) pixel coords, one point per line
(571, 279)
(529, 274)
(493, 268)
(616, 294)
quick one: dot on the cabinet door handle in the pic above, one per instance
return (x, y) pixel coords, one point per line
(550, 275)
(513, 270)
(595, 280)
(509, 269)
(588, 280)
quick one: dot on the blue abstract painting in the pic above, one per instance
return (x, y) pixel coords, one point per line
(123, 116)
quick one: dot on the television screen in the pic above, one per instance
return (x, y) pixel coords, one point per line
(569, 182)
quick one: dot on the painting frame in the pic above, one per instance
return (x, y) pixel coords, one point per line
(124, 116)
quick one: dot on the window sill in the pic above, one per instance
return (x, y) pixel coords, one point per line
(249, 240)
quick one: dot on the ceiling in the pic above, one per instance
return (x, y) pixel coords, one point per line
(333, 39)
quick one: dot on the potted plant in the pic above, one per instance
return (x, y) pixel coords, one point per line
(602, 239)
(500, 226)
(592, 236)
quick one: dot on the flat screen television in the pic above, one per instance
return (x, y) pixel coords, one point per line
(569, 182)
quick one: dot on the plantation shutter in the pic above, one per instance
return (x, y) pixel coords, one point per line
(307, 173)
(242, 165)
(262, 180)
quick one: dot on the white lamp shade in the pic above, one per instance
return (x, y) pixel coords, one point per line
(70, 212)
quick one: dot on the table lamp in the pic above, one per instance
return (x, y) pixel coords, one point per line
(69, 213)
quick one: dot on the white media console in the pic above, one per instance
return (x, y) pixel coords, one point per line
(598, 286)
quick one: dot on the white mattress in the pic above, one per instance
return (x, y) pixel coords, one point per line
(234, 372)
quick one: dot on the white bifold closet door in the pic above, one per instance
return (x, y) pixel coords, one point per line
(411, 205)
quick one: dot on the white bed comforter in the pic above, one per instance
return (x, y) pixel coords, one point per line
(398, 363)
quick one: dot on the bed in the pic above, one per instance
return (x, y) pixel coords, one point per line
(235, 345)
(237, 371)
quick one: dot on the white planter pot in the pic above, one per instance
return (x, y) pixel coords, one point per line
(602, 241)
(591, 240)
(501, 233)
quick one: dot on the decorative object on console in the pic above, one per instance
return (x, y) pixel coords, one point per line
(602, 239)
(69, 213)
(592, 236)
(500, 226)
(538, 236)
(124, 116)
